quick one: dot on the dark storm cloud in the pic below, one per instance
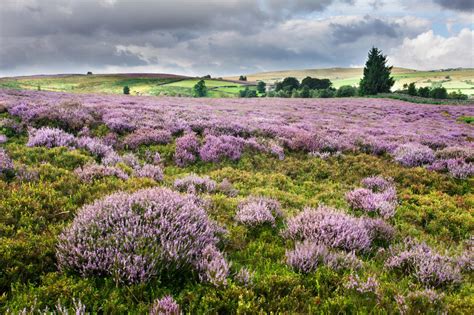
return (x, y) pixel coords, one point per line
(459, 5)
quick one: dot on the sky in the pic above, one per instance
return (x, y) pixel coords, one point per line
(230, 37)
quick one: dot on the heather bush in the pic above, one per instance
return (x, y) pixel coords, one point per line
(371, 285)
(413, 154)
(94, 146)
(421, 301)
(187, 149)
(149, 171)
(254, 211)
(194, 184)
(244, 277)
(3, 139)
(456, 152)
(380, 196)
(93, 171)
(217, 148)
(329, 227)
(133, 237)
(146, 136)
(308, 256)
(6, 164)
(49, 137)
(131, 160)
(213, 266)
(426, 265)
(165, 306)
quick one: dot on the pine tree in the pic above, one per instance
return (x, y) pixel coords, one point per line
(200, 89)
(377, 78)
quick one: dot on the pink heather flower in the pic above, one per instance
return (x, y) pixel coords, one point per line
(133, 237)
(380, 196)
(213, 266)
(150, 171)
(165, 306)
(49, 137)
(330, 227)
(254, 211)
(94, 146)
(308, 256)
(427, 266)
(414, 154)
(226, 188)
(244, 277)
(187, 148)
(146, 136)
(371, 285)
(217, 148)
(193, 184)
(3, 139)
(6, 163)
(93, 171)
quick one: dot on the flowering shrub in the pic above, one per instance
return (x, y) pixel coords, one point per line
(3, 139)
(427, 266)
(371, 285)
(213, 266)
(145, 136)
(423, 301)
(414, 154)
(244, 276)
(134, 237)
(380, 196)
(152, 157)
(329, 227)
(217, 148)
(187, 148)
(255, 211)
(94, 146)
(6, 164)
(93, 171)
(131, 160)
(195, 184)
(308, 255)
(456, 152)
(149, 171)
(165, 306)
(49, 137)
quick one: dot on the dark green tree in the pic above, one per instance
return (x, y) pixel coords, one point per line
(346, 91)
(316, 84)
(200, 89)
(261, 87)
(305, 92)
(377, 78)
(439, 93)
(288, 84)
(126, 90)
(424, 91)
(242, 78)
(412, 89)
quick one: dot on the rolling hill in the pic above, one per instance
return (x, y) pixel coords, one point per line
(452, 79)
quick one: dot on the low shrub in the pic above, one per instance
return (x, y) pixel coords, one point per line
(134, 237)
(165, 306)
(49, 137)
(414, 154)
(194, 184)
(254, 211)
(187, 149)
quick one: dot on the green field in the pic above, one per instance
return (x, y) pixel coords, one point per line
(452, 80)
(140, 84)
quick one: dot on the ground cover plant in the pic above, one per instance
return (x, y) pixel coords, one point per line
(115, 204)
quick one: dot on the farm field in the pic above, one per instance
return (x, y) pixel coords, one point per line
(452, 80)
(108, 203)
(140, 84)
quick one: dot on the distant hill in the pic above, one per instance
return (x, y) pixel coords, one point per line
(139, 83)
(451, 79)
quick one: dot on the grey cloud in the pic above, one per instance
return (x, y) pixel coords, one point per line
(459, 5)
(347, 33)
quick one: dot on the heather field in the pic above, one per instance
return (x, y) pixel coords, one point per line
(114, 204)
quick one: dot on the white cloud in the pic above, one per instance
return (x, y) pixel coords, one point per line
(430, 51)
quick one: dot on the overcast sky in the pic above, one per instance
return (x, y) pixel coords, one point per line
(225, 37)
